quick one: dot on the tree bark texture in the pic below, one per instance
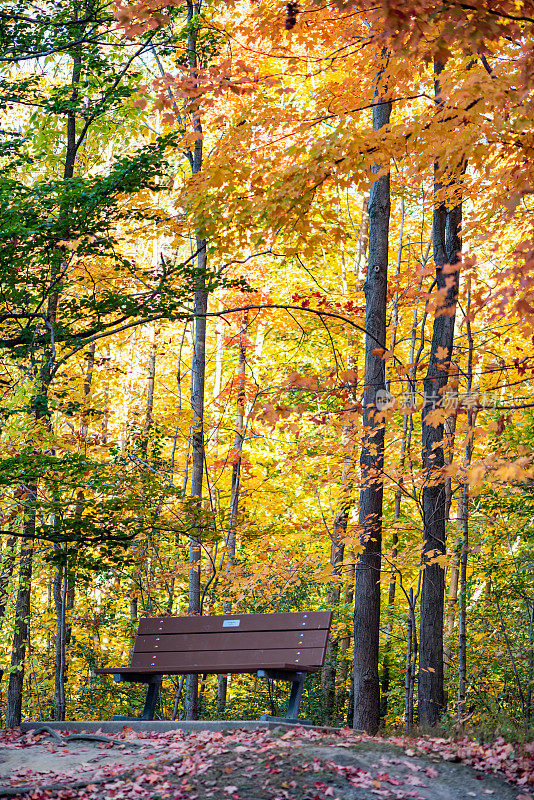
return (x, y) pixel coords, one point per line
(197, 461)
(22, 615)
(367, 573)
(446, 226)
(198, 375)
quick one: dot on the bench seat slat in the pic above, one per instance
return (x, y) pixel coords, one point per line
(234, 640)
(314, 620)
(213, 660)
(223, 669)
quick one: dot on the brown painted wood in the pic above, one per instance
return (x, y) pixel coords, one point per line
(215, 661)
(314, 620)
(236, 640)
(287, 642)
(137, 673)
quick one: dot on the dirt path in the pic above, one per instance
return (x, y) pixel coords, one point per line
(242, 765)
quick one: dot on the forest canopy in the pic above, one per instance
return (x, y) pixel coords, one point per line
(267, 305)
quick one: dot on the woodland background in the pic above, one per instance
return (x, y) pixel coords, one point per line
(267, 331)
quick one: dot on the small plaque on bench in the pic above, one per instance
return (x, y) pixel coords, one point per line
(231, 623)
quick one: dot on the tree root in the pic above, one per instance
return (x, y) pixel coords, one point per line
(91, 737)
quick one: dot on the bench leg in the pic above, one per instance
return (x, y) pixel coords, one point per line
(152, 696)
(297, 687)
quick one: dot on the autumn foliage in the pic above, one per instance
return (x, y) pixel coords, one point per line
(226, 155)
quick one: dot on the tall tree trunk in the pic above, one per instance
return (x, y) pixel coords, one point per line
(345, 660)
(343, 509)
(446, 242)
(236, 477)
(452, 593)
(411, 660)
(328, 674)
(238, 445)
(151, 381)
(367, 577)
(451, 602)
(197, 462)
(386, 662)
(63, 585)
(217, 380)
(59, 591)
(198, 455)
(464, 501)
(337, 550)
(22, 613)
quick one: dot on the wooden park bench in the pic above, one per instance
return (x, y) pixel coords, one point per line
(283, 646)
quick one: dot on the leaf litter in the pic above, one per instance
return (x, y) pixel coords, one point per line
(295, 764)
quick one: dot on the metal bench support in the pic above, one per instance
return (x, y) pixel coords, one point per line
(152, 695)
(297, 687)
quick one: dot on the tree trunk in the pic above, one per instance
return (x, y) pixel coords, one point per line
(363, 241)
(22, 614)
(8, 563)
(346, 500)
(411, 660)
(337, 551)
(386, 662)
(238, 445)
(452, 600)
(59, 590)
(151, 382)
(198, 377)
(345, 660)
(236, 477)
(446, 242)
(367, 577)
(63, 586)
(464, 500)
(87, 395)
(328, 673)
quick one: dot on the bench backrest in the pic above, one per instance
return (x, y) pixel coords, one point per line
(232, 642)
